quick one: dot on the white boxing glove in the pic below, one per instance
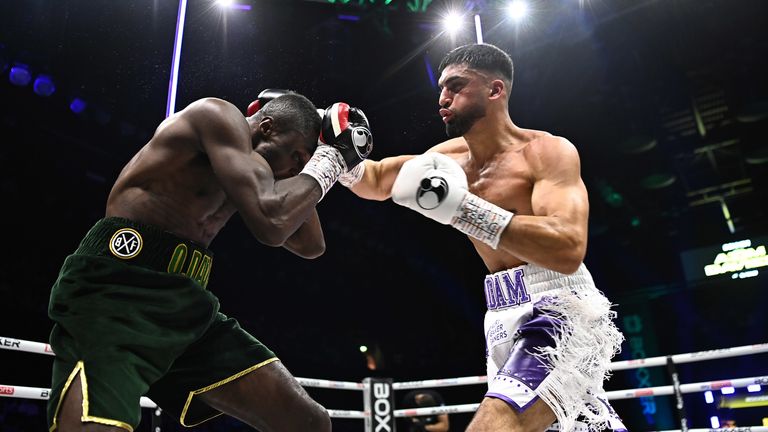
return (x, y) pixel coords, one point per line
(435, 185)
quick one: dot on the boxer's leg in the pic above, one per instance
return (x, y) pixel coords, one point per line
(269, 399)
(511, 402)
(71, 411)
(497, 415)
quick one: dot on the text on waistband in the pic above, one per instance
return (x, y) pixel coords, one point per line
(505, 289)
(199, 267)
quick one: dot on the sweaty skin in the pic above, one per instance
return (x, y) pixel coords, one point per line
(202, 165)
(531, 173)
(505, 180)
(205, 163)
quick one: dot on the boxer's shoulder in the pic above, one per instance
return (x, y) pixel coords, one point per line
(453, 147)
(540, 141)
(545, 150)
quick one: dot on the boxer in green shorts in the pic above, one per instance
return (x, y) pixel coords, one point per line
(132, 310)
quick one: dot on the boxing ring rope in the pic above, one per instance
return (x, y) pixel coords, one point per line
(611, 395)
(675, 389)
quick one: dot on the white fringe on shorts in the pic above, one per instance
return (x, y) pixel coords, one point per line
(579, 364)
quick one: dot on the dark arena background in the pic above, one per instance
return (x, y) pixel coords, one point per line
(666, 101)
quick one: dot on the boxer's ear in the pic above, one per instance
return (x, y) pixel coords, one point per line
(266, 126)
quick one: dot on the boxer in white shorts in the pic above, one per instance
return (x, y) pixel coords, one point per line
(518, 194)
(547, 337)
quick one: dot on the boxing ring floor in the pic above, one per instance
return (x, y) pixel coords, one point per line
(379, 409)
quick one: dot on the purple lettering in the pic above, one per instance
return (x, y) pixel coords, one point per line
(516, 289)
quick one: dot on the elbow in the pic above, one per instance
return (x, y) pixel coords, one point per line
(270, 226)
(308, 249)
(269, 237)
(571, 259)
(313, 252)
(271, 232)
(568, 267)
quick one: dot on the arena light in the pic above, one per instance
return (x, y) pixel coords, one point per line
(452, 22)
(173, 83)
(517, 9)
(346, 17)
(715, 422)
(20, 75)
(478, 29)
(78, 105)
(708, 397)
(753, 388)
(44, 86)
(230, 4)
(727, 390)
(238, 6)
(363, 349)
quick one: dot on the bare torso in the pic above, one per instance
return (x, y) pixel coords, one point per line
(506, 180)
(170, 184)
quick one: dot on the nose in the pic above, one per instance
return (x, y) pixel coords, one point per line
(444, 100)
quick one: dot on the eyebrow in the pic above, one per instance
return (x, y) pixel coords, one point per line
(449, 80)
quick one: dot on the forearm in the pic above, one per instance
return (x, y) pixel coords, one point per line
(283, 209)
(547, 241)
(369, 187)
(308, 241)
(378, 178)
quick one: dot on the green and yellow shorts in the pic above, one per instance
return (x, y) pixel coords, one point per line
(133, 317)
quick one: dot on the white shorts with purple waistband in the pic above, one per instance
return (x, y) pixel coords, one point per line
(551, 336)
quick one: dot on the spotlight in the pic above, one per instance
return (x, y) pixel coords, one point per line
(363, 349)
(715, 422)
(77, 105)
(753, 388)
(44, 86)
(453, 22)
(517, 9)
(727, 390)
(230, 4)
(20, 75)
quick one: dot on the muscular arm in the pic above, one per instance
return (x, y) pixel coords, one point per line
(555, 237)
(307, 241)
(272, 211)
(378, 178)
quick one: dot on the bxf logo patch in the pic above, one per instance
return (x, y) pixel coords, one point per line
(126, 243)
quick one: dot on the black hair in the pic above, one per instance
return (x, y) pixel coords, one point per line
(484, 57)
(294, 112)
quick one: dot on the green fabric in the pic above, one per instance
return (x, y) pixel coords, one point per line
(141, 331)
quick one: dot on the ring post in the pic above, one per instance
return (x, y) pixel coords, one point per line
(379, 401)
(672, 369)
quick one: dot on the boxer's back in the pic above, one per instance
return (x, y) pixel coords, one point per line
(169, 183)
